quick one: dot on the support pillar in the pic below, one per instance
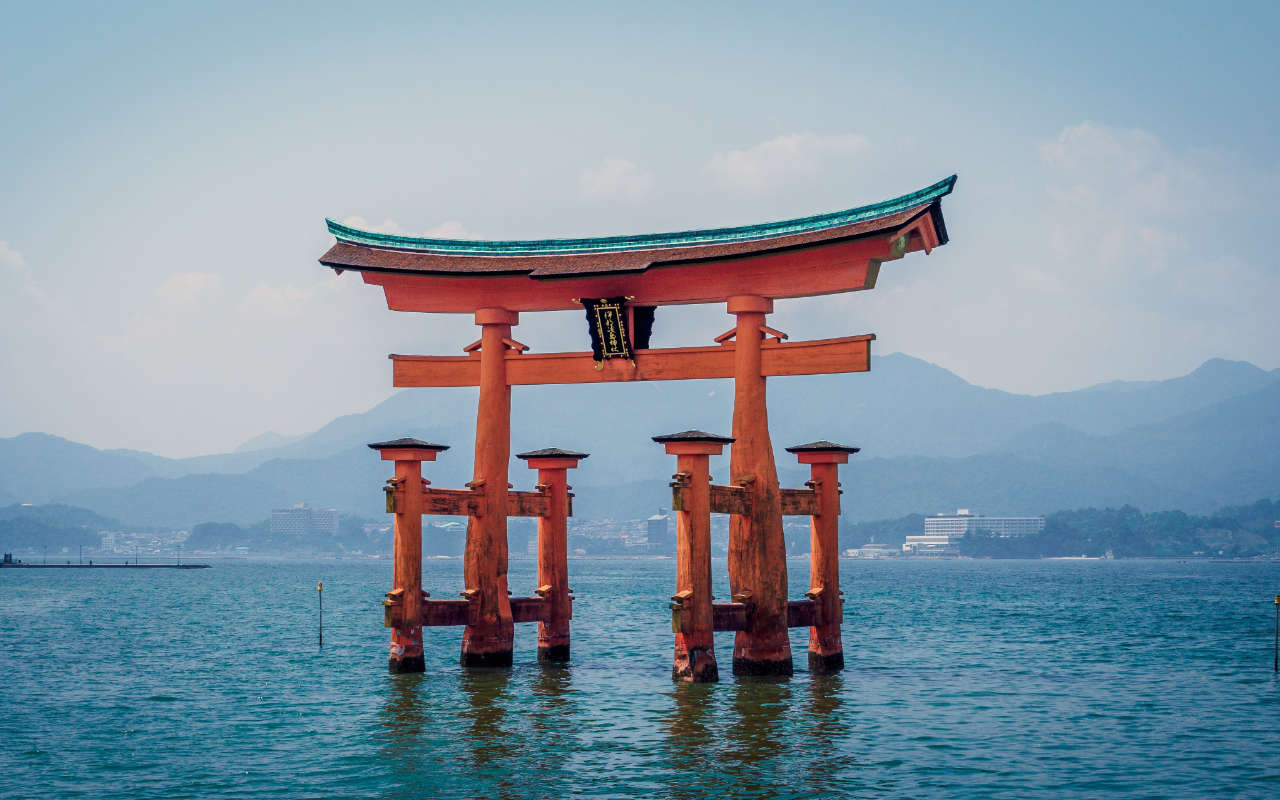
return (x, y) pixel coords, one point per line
(489, 635)
(757, 549)
(552, 465)
(691, 618)
(826, 652)
(404, 500)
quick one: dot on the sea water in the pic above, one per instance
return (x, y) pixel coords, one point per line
(980, 679)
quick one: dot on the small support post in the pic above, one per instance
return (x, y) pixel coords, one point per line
(691, 618)
(488, 639)
(404, 500)
(826, 652)
(552, 465)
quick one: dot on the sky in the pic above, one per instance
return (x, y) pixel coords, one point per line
(167, 170)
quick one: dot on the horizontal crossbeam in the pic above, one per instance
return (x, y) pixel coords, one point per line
(445, 613)
(467, 502)
(818, 357)
(799, 502)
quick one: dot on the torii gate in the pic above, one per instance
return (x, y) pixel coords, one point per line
(745, 267)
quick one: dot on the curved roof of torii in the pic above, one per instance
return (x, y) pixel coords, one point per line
(366, 251)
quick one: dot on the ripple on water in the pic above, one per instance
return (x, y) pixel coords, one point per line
(964, 679)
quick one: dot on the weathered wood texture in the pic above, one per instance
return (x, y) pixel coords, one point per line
(528, 504)
(803, 613)
(730, 500)
(553, 565)
(489, 635)
(757, 550)
(798, 502)
(405, 653)
(818, 357)
(826, 651)
(694, 635)
(451, 502)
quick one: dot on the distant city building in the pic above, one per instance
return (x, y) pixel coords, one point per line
(658, 533)
(942, 533)
(302, 520)
(872, 550)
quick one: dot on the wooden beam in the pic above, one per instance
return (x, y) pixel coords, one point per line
(528, 504)
(450, 502)
(444, 613)
(799, 502)
(439, 613)
(528, 609)
(818, 357)
(731, 616)
(730, 500)
(803, 614)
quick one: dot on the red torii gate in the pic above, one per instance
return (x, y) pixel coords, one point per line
(747, 268)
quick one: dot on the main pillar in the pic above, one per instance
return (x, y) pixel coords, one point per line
(757, 549)
(404, 499)
(488, 637)
(826, 652)
(552, 465)
(692, 618)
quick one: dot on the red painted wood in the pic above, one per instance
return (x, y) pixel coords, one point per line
(757, 550)
(826, 652)
(824, 269)
(489, 637)
(695, 659)
(818, 357)
(406, 637)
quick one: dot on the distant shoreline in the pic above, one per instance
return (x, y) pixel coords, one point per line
(104, 566)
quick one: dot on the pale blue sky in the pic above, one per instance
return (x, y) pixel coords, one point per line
(166, 172)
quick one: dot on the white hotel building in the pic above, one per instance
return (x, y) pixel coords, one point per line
(942, 533)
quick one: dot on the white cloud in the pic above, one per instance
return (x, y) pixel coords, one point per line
(265, 302)
(189, 289)
(449, 229)
(784, 160)
(616, 179)
(11, 258)
(15, 277)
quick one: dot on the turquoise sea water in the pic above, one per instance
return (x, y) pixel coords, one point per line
(979, 679)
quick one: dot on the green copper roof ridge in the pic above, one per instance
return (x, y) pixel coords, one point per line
(647, 241)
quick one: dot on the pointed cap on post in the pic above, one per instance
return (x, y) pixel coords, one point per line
(407, 449)
(823, 452)
(552, 458)
(691, 443)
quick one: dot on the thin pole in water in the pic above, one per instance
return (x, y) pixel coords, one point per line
(1275, 665)
(320, 598)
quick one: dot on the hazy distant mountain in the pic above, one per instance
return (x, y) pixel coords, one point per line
(930, 440)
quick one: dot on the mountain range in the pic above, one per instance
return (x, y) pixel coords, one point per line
(931, 442)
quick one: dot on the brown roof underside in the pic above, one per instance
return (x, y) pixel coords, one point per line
(375, 259)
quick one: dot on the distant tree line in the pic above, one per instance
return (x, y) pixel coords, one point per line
(54, 526)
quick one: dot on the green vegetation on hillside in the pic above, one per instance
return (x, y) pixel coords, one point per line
(1126, 532)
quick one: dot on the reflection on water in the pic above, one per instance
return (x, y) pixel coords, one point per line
(975, 704)
(552, 720)
(490, 745)
(691, 743)
(824, 727)
(405, 721)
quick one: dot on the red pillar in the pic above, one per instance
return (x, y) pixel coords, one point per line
(552, 465)
(826, 652)
(757, 549)
(488, 637)
(693, 623)
(404, 601)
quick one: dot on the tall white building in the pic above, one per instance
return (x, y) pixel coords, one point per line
(301, 520)
(942, 533)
